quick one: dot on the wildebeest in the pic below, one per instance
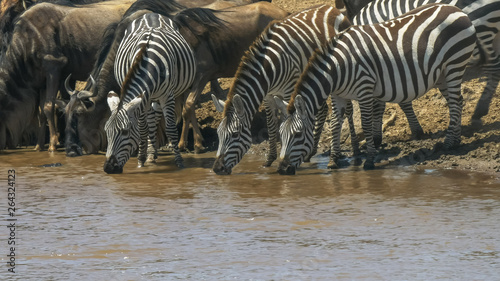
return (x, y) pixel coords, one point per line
(244, 24)
(11, 9)
(48, 43)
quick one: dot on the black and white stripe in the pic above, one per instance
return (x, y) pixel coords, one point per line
(271, 67)
(153, 62)
(485, 16)
(395, 61)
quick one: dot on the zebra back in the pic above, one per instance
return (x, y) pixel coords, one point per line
(484, 14)
(153, 57)
(275, 60)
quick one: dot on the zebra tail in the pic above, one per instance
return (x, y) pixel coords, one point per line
(179, 105)
(482, 54)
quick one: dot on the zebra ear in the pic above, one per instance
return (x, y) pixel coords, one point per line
(239, 108)
(300, 106)
(219, 104)
(133, 104)
(113, 100)
(282, 107)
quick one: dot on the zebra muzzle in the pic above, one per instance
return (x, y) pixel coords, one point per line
(285, 168)
(219, 168)
(111, 166)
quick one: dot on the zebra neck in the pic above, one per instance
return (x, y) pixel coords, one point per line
(252, 87)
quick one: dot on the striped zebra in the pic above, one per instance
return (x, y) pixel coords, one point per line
(394, 61)
(271, 67)
(485, 16)
(153, 62)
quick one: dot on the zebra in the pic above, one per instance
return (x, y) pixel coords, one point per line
(270, 67)
(394, 61)
(153, 62)
(485, 16)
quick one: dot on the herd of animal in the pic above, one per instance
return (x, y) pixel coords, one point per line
(146, 63)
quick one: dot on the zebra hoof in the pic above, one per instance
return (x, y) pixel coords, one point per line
(357, 161)
(369, 165)
(377, 141)
(476, 122)
(332, 165)
(267, 163)
(180, 165)
(419, 134)
(151, 160)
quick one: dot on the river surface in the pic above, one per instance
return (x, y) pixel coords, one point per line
(74, 222)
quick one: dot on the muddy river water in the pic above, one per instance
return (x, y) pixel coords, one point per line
(74, 222)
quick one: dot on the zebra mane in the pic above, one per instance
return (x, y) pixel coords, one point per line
(247, 58)
(131, 72)
(204, 24)
(327, 47)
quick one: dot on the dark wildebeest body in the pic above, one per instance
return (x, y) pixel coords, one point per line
(86, 126)
(48, 43)
(11, 9)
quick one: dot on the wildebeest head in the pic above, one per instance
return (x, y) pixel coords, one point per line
(80, 102)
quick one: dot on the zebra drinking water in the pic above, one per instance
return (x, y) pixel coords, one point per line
(153, 62)
(271, 67)
(394, 61)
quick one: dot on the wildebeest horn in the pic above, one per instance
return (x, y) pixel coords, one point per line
(90, 92)
(66, 85)
(92, 84)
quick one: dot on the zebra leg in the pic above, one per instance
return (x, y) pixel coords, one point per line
(272, 128)
(484, 101)
(338, 108)
(416, 130)
(455, 104)
(169, 113)
(378, 116)
(143, 142)
(318, 129)
(354, 138)
(152, 153)
(366, 105)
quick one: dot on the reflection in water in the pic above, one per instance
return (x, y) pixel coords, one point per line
(159, 223)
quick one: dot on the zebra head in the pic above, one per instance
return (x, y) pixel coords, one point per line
(296, 134)
(123, 132)
(234, 134)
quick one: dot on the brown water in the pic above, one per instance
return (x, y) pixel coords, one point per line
(74, 222)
